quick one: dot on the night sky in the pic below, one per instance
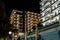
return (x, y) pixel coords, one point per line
(6, 8)
(23, 5)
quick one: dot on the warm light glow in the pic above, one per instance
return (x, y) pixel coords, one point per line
(16, 36)
(21, 34)
(10, 32)
(14, 12)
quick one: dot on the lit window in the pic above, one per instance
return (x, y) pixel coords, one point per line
(47, 23)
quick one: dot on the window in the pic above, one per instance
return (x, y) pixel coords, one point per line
(46, 18)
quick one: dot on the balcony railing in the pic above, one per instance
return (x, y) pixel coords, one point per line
(49, 27)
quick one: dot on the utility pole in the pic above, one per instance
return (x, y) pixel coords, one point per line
(25, 28)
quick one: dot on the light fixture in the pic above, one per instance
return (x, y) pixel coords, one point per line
(10, 32)
(14, 12)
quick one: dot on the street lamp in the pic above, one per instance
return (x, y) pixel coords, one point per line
(10, 32)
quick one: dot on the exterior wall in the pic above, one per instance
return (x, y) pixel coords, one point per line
(29, 19)
(50, 12)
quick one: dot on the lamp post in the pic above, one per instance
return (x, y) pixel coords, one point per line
(10, 38)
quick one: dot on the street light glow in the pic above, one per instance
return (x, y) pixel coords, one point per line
(10, 32)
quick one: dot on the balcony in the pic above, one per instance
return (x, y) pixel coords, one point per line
(46, 10)
(43, 2)
(53, 1)
(49, 27)
(45, 5)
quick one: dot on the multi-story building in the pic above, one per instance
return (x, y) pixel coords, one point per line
(19, 19)
(50, 12)
(31, 19)
(50, 16)
(16, 21)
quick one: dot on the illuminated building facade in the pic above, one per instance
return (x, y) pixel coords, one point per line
(31, 19)
(16, 19)
(50, 12)
(50, 18)
(19, 19)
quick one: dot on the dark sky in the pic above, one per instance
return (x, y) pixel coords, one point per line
(24, 5)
